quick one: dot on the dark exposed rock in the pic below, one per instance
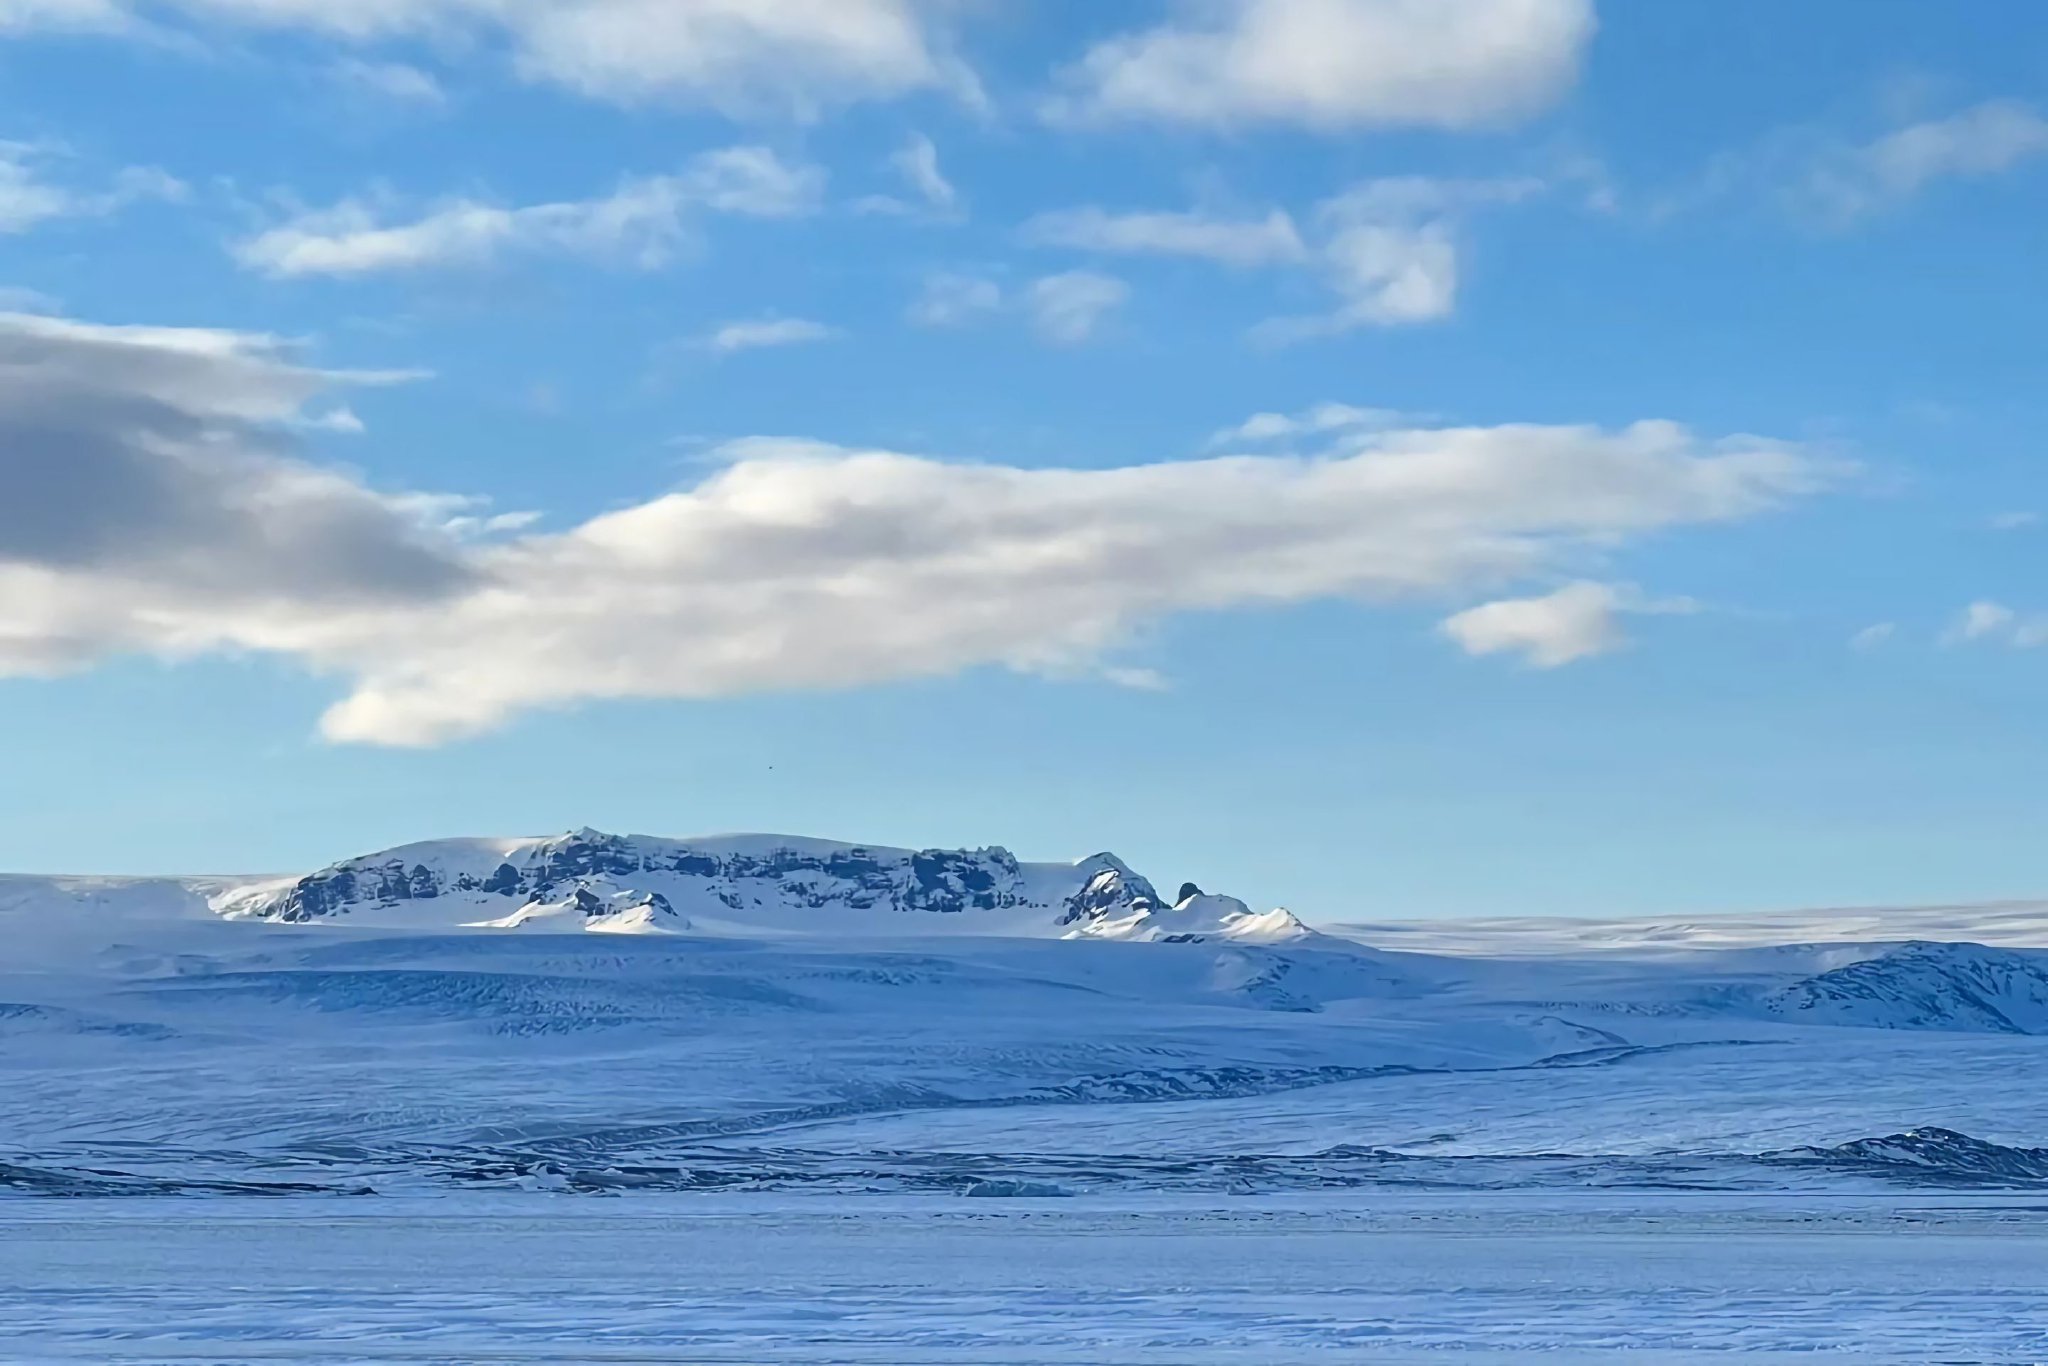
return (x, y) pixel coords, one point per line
(1929, 1156)
(1111, 890)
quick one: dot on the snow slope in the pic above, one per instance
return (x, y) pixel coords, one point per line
(771, 1012)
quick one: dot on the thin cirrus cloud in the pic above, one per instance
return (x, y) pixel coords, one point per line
(1323, 418)
(797, 58)
(1333, 65)
(1065, 309)
(1071, 308)
(1388, 250)
(947, 299)
(1993, 623)
(642, 224)
(397, 83)
(32, 192)
(1824, 178)
(1852, 181)
(1244, 241)
(916, 164)
(759, 333)
(792, 565)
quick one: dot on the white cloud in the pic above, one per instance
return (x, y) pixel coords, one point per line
(149, 507)
(1576, 621)
(917, 161)
(2015, 521)
(1065, 309)
(642, 224)
(760, 332)
(1390, 252)
(151, 510)
(29, 197)
(752, 182)
(1322, 418)
(391, 82)
(1996, 624)
(1271, 240)
(1825, 178)
(1985, 140)
(742, 57)
(1070, 308)
(951, 299)
(916, 164)
(1388, 249)
(1982, 619)
(1333, 65)
(1873, 636)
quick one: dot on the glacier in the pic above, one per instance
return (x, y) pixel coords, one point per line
(749, 1027)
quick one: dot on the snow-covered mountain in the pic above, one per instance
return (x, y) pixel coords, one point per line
(726, 885)
(792, 1014)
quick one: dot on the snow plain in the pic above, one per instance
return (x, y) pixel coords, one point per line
(865, 1134)
(905, 1281)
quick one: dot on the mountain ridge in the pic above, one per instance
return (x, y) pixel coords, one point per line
(777, 885)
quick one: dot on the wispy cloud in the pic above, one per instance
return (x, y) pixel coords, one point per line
(1387, 249)
(1323, 418)
(792, 58)
(642, 224)
(1072, 307)
(756, 333)
(916, 164)
(389, 82)
(1571, 623)
(954, 299)
(33, 192)
(1832, 180)
(1852, 181)
(1993, 623)
(1262, 241)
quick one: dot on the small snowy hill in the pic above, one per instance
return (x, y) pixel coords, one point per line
(1961, 987)
(1197, 916)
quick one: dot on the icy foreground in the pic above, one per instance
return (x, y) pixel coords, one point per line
(1408, 1277)
(764, 1027)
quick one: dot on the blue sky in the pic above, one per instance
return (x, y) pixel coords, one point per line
(459, 416)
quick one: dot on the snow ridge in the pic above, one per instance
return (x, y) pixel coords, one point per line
(730, 884)
(1920, 985)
